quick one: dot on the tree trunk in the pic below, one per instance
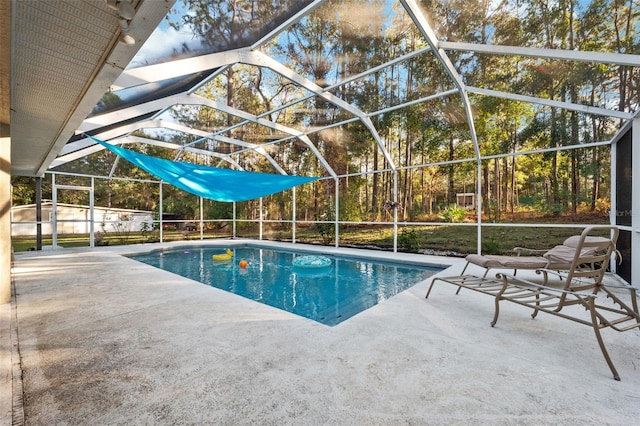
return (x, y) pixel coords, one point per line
(595, 189)
(451, 191)
(553, 175)
(485, 188)
(505, 183)
(496, 190)
(374, 186)
(514, 192)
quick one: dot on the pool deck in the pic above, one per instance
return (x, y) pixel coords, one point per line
(98, 338)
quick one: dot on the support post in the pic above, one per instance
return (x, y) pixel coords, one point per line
(479, 207)
(234, 219)
(613, 198)
(39, 213)
(293, 216)
(260, 221)
(92, 242)
(635, 199)
(6, 256)
(201, 219)
(337, 213)
(395, 211)
(160, 212)
(54, 212)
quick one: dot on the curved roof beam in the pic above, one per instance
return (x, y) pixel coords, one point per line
(96, 122)
(102, 120)
(166, 70)
(252, 147)
(534, 52)
(136, 139)
(587, 109)
(421, 22)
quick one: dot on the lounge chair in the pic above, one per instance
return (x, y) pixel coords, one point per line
(557, 258)
(582, 284)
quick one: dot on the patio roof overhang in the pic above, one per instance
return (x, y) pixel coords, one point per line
(58, 60)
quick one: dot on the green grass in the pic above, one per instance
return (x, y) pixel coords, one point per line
(463, 240)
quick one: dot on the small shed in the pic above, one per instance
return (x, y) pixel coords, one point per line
(466, 200)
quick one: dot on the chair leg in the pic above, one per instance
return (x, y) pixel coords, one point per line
(464, 269)
(545, 275)
(634, 302)
(596, 329)
(430, 287)
(462, 273)
(535, 311)
(496, 312)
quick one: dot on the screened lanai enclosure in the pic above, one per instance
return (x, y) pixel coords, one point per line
(382, 115)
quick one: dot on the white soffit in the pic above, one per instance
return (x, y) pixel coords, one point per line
(66, 54)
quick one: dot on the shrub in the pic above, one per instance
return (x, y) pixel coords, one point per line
(491, 246)
(326, 231)
(409, 239)
(453, 213)
(325, 228)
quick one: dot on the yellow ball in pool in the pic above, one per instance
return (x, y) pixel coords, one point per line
(243, 263)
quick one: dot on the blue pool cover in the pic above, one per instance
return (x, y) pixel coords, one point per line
(210, 182)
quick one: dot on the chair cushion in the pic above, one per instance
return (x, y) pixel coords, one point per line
(573, 241)
(561, 256)
(507, 262)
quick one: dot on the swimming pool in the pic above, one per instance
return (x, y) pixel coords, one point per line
(327, 294)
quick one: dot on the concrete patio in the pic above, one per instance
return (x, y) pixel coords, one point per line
(103, 339)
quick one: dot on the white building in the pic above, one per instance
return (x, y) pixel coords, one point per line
(76, 219)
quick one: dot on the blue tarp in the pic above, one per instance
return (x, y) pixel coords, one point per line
(210, 182)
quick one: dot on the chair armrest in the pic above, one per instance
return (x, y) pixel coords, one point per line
(524, 251)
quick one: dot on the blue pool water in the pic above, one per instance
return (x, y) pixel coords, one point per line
(328, 295)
